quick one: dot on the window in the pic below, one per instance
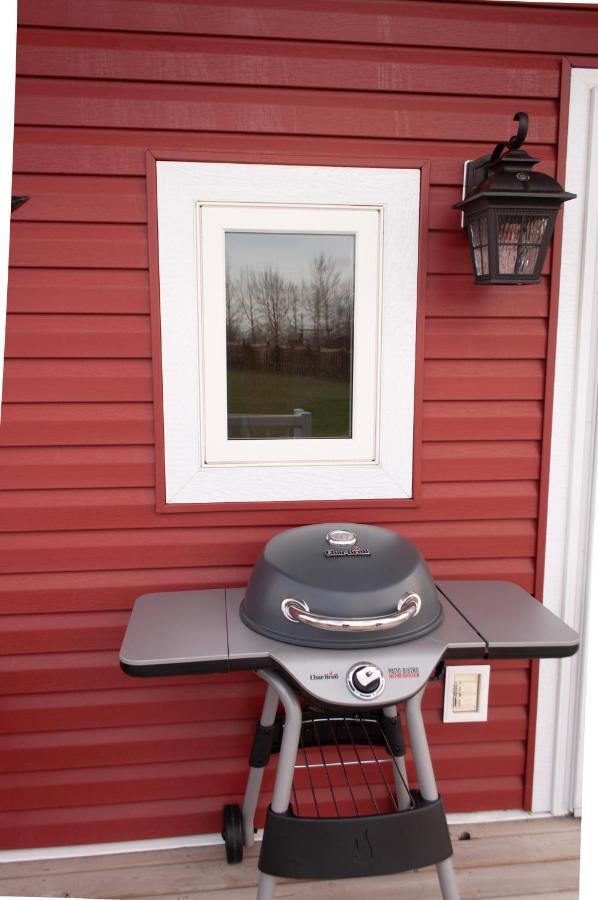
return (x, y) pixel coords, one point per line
(287, 318)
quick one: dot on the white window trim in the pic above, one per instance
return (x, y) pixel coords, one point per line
(180, 187)
(573, 464)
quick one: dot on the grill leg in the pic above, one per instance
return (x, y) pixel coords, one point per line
(427, 784)
(256, 773)
(286, 761)
(399, 770)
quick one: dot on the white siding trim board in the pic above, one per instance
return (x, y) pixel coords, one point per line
(573, 471)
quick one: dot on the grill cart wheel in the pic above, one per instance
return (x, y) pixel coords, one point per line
(232, 832)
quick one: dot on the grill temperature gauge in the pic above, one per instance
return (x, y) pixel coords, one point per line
(365, 680)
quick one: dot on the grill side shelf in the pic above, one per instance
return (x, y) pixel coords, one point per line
(176, 633)
(463, 616)
(513, 624)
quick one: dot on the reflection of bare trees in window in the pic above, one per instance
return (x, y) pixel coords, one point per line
(246, 287)
(264, 307)
(273, 301)
(232, 310)
(323, 296)
(289, 334)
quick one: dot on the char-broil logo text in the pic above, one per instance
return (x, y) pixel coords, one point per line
(353, 551)
(403, 672)
(324, 676)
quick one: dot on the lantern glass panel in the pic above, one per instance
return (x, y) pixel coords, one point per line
(519, 239)
(478, 232)
(485, 265)
(484, 231)
(477, 258)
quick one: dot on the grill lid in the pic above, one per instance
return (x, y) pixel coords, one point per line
(341, 586)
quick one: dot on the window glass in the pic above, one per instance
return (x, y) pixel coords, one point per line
(289, 334)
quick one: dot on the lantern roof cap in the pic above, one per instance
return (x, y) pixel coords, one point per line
(511, 176)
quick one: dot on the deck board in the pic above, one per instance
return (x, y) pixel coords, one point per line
(521, 860)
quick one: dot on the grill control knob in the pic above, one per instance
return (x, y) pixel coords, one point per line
(365, 680)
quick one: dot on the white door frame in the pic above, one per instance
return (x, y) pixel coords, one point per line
(573, 466)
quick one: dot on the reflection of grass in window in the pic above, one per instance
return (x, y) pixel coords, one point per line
(327, 399)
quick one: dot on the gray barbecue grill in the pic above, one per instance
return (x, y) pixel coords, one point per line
(343, 622)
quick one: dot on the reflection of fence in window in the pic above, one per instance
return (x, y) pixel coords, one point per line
(329, 362)
(248, 425)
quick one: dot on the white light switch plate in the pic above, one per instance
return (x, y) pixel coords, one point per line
(466, 693)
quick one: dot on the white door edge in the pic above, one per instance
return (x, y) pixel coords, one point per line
(559, 728)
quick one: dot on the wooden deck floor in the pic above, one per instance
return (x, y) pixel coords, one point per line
(526, 859)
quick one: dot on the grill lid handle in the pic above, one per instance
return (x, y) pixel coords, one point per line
(296, 610)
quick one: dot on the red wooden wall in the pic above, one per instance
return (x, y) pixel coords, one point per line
(88, 754)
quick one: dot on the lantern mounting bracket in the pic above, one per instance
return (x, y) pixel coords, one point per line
(514, 142)
(476, 170)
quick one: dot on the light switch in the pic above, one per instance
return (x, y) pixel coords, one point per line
(466, 693)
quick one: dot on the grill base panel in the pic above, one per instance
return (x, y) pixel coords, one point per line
(355, 846)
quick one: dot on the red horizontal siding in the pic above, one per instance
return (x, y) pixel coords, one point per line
(96, 199)
(79, 103)
(107, 336)
(111, 589)
(485, 338)
(174, 743)
(35, 336)
(96, 151)
(78, 246)
(131, 784)
(40, 290)
(214, 60)
(161, 818)
(459, 379)
(36, 424)
(69, 424)
(50, 467)
(89, 754)
(163, 547)
(97, 590)
(75, 380)
(412, 23)
(103, 380)
(111, 508)
(125, 246)
(190, 702)
(133, 466)
(482, 420)
(476, 461)
(457, 295)
(62, 198)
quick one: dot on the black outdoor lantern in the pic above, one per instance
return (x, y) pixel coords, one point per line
(509, 212)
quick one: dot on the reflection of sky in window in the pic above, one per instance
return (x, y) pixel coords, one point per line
(291, 254)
